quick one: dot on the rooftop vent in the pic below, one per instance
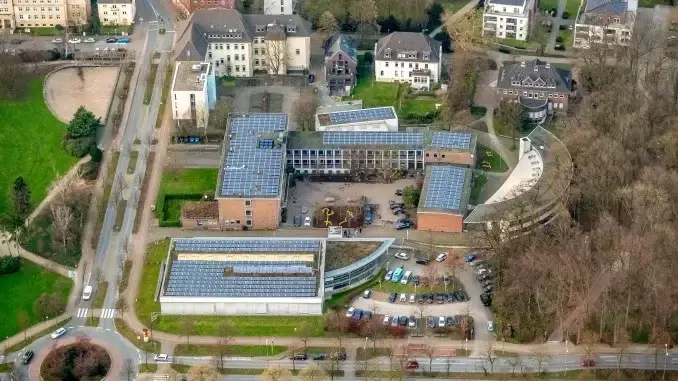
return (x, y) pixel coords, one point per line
(195, 67)
(548, 65)
(522, 64)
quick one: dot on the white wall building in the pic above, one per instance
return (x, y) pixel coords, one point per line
(279, 7)
(605, 21)
(193, 92)
(116, 12)
(508, 18)
(238, 45)
(6, 14)
(409, 57)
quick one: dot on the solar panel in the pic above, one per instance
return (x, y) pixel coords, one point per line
(364, 115)
(252, 167)
(445, 187)
(245, 245)
(373, 138)
(454, 140)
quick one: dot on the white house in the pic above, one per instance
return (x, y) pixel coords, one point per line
(508, 18)
(116, 12)
(279, 7)
(409, 57)
(605, 21)
(239, 45)
(193, 92)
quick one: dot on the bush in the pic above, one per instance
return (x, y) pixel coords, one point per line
(559, 39)
(49, 305)
(411, 196)
(79, 361)
(9, 265)
(369, 57)
(89, 170)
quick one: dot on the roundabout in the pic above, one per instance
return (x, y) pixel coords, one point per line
(75, 361)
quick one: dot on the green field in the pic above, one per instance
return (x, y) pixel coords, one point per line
(479, 182)
(571, 7)
(548, 4)
(183, 182)
(489, 160)
(145, 303)
(21, 289)
(567, 36)
(231, 350)
(31, 146)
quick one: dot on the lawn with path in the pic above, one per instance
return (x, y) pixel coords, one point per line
(177, 185)
(489, 160)
(21, 289)
(230, 350)
(31, 145)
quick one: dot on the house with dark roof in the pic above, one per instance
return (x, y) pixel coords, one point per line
(409, 57)
(239, 45)
(605, 22)
(509, 18)
(537, 85)
(186, 7)
(341, 62)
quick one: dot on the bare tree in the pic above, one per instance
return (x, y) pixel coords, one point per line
(513, 361)
(277, 56)
(312, 373)
(305, 108)
(513, 116)
(430, 351)
(203, 373)
(540, 356)
(122, 306)
(187, 328)
(63, 219)
(219, 116)
(490, 356)
(327, 26)
(276, 373)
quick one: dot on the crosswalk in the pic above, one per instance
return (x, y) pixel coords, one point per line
(160, 377)
(106, 313)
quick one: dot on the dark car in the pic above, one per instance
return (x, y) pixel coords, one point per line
(297, 220)
(397, 205)
(422, 261)
(392, 297)
(440, 299)
(26, 358)
(415, 280)
(311, 77)
(397, 210)
(565, 16)
(451, 298)
(399, 192)
(412, 365)
(450, 321)
(357, 314)
(484, 276)
(429, 298)
(588, 363)
(299, 356)
(111, 40)
(487, 282)
(463, 296)
(559, 47)
(368, 215)
(319, 356)
(431, 322)
(367, 315)
(402, 321)
(420, 298)
(486, 299)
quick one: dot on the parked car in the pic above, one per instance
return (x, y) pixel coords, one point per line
(483, 277)
(392, 297)
(441, 257)
(388, 275)
(319, 356)
(123, 40)
(367, 215)
(304, 209)
(413, 298)
(429, 298)
(420, 298)
(462, 296)
(399, 192)
(441, 321)
(415, 280)
(111, 40)
(559, 47)
(486, 299)
(422, 261)
(90, 40)
(402, 321)
(477, 262)
(565, 16)
(387, 320)
(431, 322)
(299, 356)
(450, 321)
(485, 283)
(367, 293)
(403, 297)
(307, 221)
(26, 358)
(57, 40)
(350, 311)
(74, 41)
(402, 255)
(311, 77)
(412, 365)
(297, 220)
(412, 322)
(357, 314)
(470, 258)
(451, 297)
(162, 357)
(58, 333)
(440, 299)
(367, 315)
(394, 321)
(588, 363)
(490, 326)
(400, 225)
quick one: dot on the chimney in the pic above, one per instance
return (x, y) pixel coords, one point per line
(522, 64)
(525, 147)
(536, 68)
(548, 65)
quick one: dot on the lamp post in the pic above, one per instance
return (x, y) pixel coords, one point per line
(567, 353)
(666, 356)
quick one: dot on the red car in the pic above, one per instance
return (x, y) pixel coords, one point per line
(588, 363)
(412, 365)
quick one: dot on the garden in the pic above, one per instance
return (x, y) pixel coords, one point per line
(179, 185)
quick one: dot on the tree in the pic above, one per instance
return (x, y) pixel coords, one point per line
(304, 332)
(327, 27)
(121, 305)
(203, 373)
(312, 373)
(63, 218)
(490, 356)
(83, 124)
(277, 55)
(13, 77)
(21, 198)
(364, 16)
(49, 305)
(513, 116)
(463, 30)
(22, 321)
(9, 265)
(430, 351)
(539, 32)
(222, 111)
(187, 328)
(224, 332)
(539, 356)
(305, 108)
(411, 196)
(276, 373)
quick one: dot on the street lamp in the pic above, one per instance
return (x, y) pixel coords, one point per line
(567, 353)
(666, 356)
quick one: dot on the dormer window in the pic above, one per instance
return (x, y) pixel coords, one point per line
(387, 53)
(261, 28)
(291, 29)
(427, 55)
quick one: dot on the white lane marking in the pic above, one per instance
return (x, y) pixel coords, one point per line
(82, 312)
(108, 313)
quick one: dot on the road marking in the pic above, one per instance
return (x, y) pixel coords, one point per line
(108, 313)
(82, 312)
(108, 330)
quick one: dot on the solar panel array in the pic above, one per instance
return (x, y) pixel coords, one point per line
(196, 245)
(207, 279)
(265, 143)
(364, 115)
(445, 187)
(373, 138)
(455, 140)
(250, 170)
(271, 269)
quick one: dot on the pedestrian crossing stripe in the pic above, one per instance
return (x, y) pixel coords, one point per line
(108, 313)
(82, 312)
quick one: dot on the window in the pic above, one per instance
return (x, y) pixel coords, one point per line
(386, 64)
(248, 213)
(396, 73)
(298, 51)
(242, 57)
(256, 62)
(256, 51)
(282, 9)
(242, 46)
(381, 73)
(235, 46)
(248, 222)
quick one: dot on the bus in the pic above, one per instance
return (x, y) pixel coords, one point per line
(397, 275)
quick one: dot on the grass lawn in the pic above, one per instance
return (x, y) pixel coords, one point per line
(145, 304)
(31, 146)
(42, 31)
(21, 289)
(151, 346)
(148, 368)
(548, 4)
(6, 367)
(231, 350)
(150, 83)
(188, 181)
(20, 345)
(489, 160)
(342, 299)
(420, 105)
(340, 254)
(567, 36)
(519, 44)
(479, 182)
(370, 353)
(571, 7)
(100, 295)
(452, 6)
(244, 325)
(166, 84)
(92, 321)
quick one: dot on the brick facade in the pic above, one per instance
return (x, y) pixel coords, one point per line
(254, 214)
(439, 222)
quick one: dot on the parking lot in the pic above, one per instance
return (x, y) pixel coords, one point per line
(312, 195)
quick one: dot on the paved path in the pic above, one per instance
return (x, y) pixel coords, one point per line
(43, 262)
(556, 22)
(456, 16)
(511, 158)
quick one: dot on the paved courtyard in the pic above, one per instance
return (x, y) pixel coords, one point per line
(65, 91)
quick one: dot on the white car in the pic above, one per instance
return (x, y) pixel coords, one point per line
(74, 41)
(350, 311)
(162, 358)
(441, 257)
(58, 333)
(413, 298)
(441, 321)
(57, 41)
(402, 256)
(366, 294)
(307, 221)
(403, 297)
(490, 326)
(387, 320)
(90, 40)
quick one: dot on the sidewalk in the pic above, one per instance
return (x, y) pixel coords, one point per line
(19, 337)
(43, 262)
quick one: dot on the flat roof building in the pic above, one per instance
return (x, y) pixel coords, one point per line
(382, 119)
(193, 92)
(444, 199)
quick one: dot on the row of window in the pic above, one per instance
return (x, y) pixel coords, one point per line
(297, 152)
(228, 46)
(402, 65)
(114, 5)
(35, 9)
(535, 94)
(36, 2)
(237, 222)
(114, 13)
(228, 68)
(402, 74)
(35, 17)
(228, 58)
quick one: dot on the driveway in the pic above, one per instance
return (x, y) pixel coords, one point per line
(485, 89)
(241, 103)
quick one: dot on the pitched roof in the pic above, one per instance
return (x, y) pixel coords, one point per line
(341, 43)
(534, 74)
(293, 25)
(606, 6)
(515, 3)
(409, 43)
(191, 45)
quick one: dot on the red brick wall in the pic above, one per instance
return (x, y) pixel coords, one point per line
(439, 222)
(265, 213)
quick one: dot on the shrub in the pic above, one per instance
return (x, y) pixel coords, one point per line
(369, 57)
(559, 39)
(9, 265)
(79, 361)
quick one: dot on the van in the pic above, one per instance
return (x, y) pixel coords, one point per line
(87, 293)
(406, 277)
(397, 275)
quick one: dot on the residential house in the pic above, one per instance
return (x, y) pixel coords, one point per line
(239, 45)
(509, 18)
(189, 6)
(28, 14)
(537, 85)
(341, 63)
(77, 12)
(279, 7)
(193, 93)
(414, 58)
(605, 21)
(6, 14)
(116, 12)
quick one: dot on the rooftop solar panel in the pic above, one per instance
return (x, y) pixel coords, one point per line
(373, 138)
(252, 168)
(364, 115)
(454, 140)
(245, 245)
(445, 187)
